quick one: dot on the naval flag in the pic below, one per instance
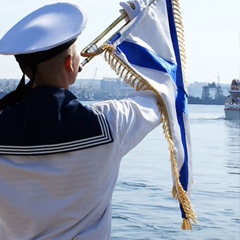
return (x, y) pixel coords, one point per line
(149, 54)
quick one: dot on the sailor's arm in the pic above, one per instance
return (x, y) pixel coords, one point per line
(132, 118)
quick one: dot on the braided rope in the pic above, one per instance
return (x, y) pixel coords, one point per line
(180, 35)
(136, 81)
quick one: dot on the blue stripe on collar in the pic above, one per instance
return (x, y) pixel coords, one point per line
(51, 120)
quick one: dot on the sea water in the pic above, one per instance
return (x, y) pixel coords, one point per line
(143, 207)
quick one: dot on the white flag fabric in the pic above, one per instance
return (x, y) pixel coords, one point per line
(149, 54)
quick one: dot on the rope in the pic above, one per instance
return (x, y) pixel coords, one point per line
(139, 83)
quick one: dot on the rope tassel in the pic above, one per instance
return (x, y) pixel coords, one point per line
(136, 81)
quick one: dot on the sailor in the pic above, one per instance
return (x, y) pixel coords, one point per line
(59, 160)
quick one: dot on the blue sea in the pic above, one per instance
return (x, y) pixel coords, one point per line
(143, 207)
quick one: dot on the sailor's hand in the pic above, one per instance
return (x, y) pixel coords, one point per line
(132, 8)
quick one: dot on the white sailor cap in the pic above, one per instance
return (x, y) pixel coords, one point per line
(44, 29)
(38, 37)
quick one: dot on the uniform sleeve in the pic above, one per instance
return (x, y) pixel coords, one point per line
(132, 118)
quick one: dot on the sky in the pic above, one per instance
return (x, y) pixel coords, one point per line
(212, 36)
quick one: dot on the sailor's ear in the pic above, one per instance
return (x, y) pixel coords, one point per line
(69, 63)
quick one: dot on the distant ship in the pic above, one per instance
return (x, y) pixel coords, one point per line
(232, 105)
(207, 99)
